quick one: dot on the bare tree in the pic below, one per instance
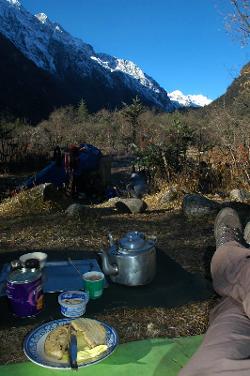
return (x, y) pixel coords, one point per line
(239, 19)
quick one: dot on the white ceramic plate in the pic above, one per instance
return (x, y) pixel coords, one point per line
(34, 346)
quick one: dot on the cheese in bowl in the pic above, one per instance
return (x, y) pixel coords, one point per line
(91, 340)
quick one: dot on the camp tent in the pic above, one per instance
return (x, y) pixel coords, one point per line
(88, 158)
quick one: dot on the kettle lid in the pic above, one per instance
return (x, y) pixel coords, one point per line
(133, 240)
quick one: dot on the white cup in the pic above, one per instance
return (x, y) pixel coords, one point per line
(40, 256)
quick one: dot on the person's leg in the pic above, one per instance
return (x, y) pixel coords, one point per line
(230, 265)
(73, 184)
(227, 341)
(225, 350)
(230, 269)
(227, 227)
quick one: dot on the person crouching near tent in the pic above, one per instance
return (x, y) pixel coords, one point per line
(80, 162)
(73, 168)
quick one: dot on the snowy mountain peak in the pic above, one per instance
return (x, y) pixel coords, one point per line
(176, 93)
(11, 3)
(42, 17)
(14, 2)
(116, 64)
(181, 100)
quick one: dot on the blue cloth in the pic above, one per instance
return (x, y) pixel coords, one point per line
(50, 174)
(58, 275)
(89, 159)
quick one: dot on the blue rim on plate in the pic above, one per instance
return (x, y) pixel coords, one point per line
(33, 346)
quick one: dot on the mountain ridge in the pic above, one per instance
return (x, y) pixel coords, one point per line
(53, 49)
(70, 68)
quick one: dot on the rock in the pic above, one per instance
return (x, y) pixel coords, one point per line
(198, 205)
(169, 196)
(239, 195)
(131, 205)
(114, 200)
(243, 209)
(76, 210)
(247, 232)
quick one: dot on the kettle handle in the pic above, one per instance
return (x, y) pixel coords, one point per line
(109, 269)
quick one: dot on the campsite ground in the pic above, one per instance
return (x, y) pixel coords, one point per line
(189, 242)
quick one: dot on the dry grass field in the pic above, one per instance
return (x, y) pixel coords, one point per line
(27, 223)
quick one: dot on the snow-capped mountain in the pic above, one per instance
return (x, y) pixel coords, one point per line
(102, 80)
(180, 100)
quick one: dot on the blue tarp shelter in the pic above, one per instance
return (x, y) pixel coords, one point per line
(88, 157)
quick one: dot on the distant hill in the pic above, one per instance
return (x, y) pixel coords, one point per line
(237, 97)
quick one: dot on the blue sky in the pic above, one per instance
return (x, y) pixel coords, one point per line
(182, 44)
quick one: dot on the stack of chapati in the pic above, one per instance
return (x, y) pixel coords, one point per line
(91, 340)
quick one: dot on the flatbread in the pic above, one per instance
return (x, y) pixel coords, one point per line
(57, 342)
(93, 332)
(91, 339)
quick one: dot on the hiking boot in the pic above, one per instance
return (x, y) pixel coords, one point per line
(227, 227)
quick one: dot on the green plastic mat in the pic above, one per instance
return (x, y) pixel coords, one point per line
(153, 357)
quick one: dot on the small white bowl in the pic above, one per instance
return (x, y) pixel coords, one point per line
(41, 256)
(73, 303)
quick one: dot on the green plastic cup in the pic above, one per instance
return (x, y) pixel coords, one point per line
(93, 284)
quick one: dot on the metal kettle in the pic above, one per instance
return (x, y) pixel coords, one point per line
(132, 260)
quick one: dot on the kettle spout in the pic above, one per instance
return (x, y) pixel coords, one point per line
(107, 268)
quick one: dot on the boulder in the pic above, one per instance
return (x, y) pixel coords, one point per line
(240, 195)
(169, 196)
(113, 200)
(247, 232)
(76, 210)
(198, 205)
(131, 205)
